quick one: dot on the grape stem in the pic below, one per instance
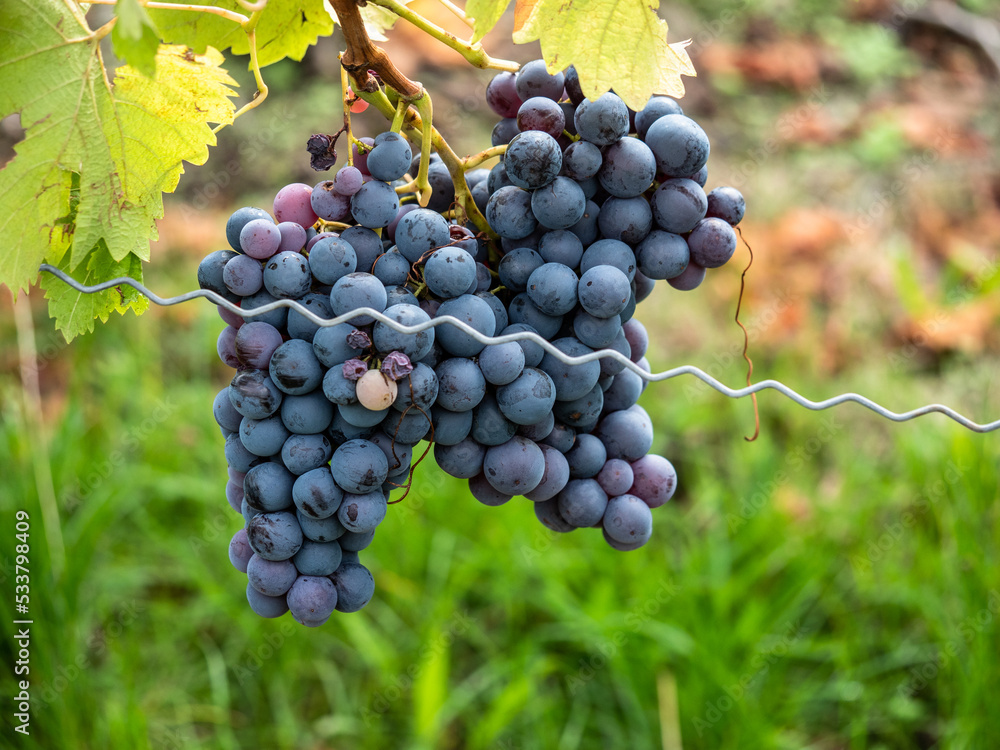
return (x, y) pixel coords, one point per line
(397, 120)
(471, 162)
(344, 88)
(362, 55)
(474, 53)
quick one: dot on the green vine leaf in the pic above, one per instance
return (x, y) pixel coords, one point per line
(620, 44)
(134, 37)
(287, 28)
(75, 312)
(485, 14)
(89, 175)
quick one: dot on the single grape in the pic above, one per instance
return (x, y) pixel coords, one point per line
(554, 477)
(254, 395)
(312, 600)
(690, 278)
(375, 391)
(679, 144)
(662, 255)
(628, 168)
(586, 457)
(266, 606)
(307, 414)
(472, 311)
(504, 132)
(541, 113)
(355, 586)
(331, 259)
(515, 467)
(390, 159)
(678, 205)
(274, 536)
(449, 272)
(263, 437)
(374, 205)
(461, 385)
(315, 494)
(501, 95)
(559, 204)
(726, 203)
(712, 243)
(327, 203)
(414, 345)
(225, 347)
(533, 159)
(358, 290)
(602, 121)
(655, 108)
(582, 502)
(362, 513)
(628, 520)
(255, 343)
(271, 577)
(655, 480)
(240, 551)
(359, 466)
(302, 453)
(534, 79)
(317, 558)
(527, 399)
(287, 276)
(582, 160)
(603, 291)
(294, 203)
(625, 219)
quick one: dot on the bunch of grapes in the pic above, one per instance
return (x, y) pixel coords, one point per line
(592, 204)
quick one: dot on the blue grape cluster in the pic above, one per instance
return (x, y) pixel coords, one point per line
(592, 204)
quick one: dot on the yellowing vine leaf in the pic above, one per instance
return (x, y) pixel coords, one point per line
(89, 175)
(287, 28)
(485, 14)
(619, 44)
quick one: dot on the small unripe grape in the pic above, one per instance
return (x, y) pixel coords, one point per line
(375, 391)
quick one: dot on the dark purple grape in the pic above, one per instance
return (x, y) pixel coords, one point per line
(501, 95)
(541, 113)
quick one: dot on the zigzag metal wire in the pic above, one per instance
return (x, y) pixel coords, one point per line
(546, 345)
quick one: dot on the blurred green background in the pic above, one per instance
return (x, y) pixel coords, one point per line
(834, 584)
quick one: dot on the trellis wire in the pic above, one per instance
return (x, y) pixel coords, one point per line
(528, 336)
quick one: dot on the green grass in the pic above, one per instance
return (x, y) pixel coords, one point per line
(839, 578)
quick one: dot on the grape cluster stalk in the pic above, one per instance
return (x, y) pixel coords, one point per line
(591, 204)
